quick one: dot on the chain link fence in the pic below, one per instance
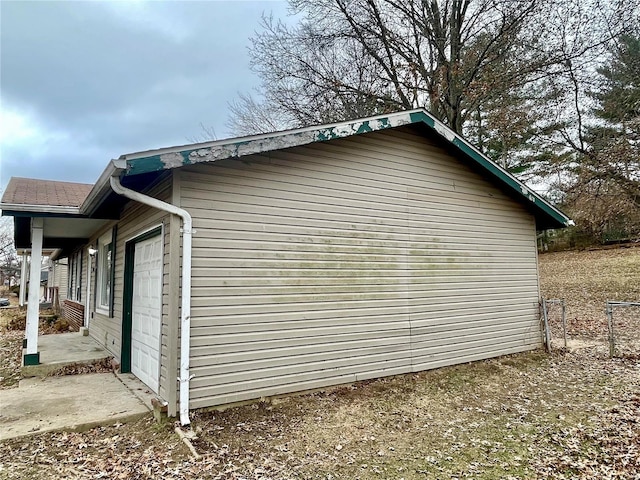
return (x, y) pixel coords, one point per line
(621, 330)
(623, 322)
(554, 323)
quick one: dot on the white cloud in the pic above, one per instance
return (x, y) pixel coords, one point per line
(31, 148)
(15, 128)
(150, 16)
(20, 128)
(106, 78)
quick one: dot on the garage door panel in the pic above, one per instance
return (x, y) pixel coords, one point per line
(147, 311)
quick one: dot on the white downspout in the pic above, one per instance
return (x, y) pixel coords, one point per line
(185, 318)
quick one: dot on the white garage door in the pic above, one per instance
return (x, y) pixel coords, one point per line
(146, 314)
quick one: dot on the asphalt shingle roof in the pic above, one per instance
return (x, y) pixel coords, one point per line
(30, 191)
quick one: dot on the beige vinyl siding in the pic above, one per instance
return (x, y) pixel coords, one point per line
(351, 259)
(135, 220)
(60, 275)
(73, 306)
(106, 331)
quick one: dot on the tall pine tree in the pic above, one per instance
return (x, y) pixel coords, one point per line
(604, 196)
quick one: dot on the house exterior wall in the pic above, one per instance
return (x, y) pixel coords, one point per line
(57, 284)
(134, 220)
(60, 274)
(72, 308)
(351, 259)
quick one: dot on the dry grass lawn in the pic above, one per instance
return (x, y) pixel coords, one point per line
(586, 280)
(570, 414)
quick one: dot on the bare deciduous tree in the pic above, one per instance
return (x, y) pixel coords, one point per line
(8, 255)
(457, 58)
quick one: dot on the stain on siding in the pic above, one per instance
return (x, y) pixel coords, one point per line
(351, 259)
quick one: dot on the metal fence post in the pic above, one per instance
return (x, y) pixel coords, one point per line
(547, 334)
(564, 322)
(609, 312)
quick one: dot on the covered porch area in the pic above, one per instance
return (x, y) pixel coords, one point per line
(38, 236)
(48, 221)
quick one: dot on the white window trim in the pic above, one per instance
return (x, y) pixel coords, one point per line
(103, 242)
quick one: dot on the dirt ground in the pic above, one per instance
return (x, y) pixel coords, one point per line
(564, 415)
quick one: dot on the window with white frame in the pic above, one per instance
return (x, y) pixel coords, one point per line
(75, 277)
(104, 273)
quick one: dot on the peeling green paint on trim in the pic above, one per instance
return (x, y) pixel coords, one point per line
(144, 165)
(220, 151)
(417, 117)
(282, 140)
(355, 128)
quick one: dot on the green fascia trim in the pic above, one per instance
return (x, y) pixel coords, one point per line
(473, 154)
(259, 144)
(31, 359)
(24, 343)
(220, 151)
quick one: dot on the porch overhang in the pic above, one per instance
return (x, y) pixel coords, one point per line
(47, 220)
(62, 233)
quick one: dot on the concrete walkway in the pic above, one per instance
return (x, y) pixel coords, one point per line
(59, 350)
(73, 402)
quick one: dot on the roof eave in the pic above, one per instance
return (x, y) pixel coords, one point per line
(175, 157)
(180, 156)
(10, 208)
(100, 190)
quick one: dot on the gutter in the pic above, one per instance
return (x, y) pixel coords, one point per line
(185, 317)
(23, 207)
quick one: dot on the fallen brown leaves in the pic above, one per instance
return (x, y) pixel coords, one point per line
(98, 366)
(502, 418)
(586, 280)
(12, 324)
(49, 322)
(567, 415)
(531, 415)
(610, 449)
(136, 451)
(10, 358)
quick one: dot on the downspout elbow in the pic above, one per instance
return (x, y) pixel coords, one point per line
(185, 317)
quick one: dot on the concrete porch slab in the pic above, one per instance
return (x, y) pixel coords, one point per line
(74, 402)
(62, 349)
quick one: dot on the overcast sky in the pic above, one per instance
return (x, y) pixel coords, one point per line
(84, 82)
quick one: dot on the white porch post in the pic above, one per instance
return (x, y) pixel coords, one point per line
(32, 356)
(23, 277)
